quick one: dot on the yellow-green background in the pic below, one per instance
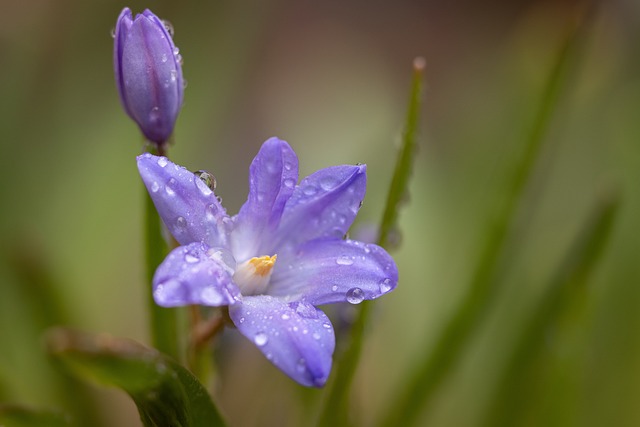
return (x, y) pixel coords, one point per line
(332, 78)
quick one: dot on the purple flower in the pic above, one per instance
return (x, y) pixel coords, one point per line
(148, 73)
(281, 256)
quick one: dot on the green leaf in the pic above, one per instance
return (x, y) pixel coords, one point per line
(165, 393)
(506, 404)
(19, 416)
(335, 411)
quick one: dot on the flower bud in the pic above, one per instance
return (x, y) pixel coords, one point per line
(148, 73)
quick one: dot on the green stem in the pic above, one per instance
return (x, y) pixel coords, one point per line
(336, 406)
(440, 358)
(163, 321)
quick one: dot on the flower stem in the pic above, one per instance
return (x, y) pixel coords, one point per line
(163, 321)
(335, 411)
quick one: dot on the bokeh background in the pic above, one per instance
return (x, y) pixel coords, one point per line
(332, 78)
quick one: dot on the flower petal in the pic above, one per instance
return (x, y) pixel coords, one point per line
(272, 178)
(195, 274)
(149, 77)
(297, 338)
(323, 205)
(331, 271)
(189, 208)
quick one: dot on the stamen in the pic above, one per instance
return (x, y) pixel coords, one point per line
(252, 276)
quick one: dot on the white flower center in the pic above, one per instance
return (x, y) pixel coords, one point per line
(252, 276)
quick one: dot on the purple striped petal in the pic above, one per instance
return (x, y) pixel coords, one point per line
(324, 205)
(190, 210)
(331, 271)
(196, 274)
(272, 178)
(297, 338)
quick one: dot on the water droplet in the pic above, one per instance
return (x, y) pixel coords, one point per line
(176, 50)
(191, 258)
(367, 249)
(285, 316)
(211, 211)
(309, 190)
(168, 26)
(163, 58)
(169, 187)
(181, 223)
(242, 320)
(154, 115)
(306, 310)
(355, 295)
(289, 183)
(316, 336)
(288, 166)
(301, 366)
(344, 260)
(155, 187)
(327, 325)
(162, 162)
(260, 339)
(113, 32)
(328, 183)
(385, 285)
(334, 288)
(219, 199)
(174, 75)
(207, 178)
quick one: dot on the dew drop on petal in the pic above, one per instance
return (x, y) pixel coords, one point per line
(301, 366)
(176, 50)
(260, 339)
(316, 336)
(327, 325)
(211, 211)
(207, 178)
(344, 260)
(334, 288)
(309, 190)
(289, 183)
(162, 162)
(169, 187)
(285, 316)
(385, 285)
(190, 258)
(181, 223)
(328, 183)
(163, 58)
(355, 295)
(155, 187)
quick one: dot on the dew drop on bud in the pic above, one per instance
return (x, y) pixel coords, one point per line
(168, 26)
(113, 32)
(355, 296)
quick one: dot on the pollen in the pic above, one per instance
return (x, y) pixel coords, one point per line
(253, 275)
(263, 264)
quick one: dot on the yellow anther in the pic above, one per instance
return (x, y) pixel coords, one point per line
(263, 264)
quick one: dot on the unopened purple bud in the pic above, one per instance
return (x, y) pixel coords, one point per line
(148, 73)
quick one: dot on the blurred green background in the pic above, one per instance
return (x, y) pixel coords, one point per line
(332, 78)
